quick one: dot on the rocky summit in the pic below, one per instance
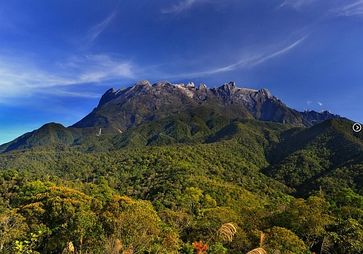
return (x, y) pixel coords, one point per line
(119, 110)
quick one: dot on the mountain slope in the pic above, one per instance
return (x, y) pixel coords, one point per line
(165, 113)
(48, 134)
(310, 158)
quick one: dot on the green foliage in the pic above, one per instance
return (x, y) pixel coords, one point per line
(307, 218)
(217, 248)
(27, 246)
(284, 241)
(346, 237)
(136, 224)
(328, 156)
(12, 226)
(177, 182)
(187, 249)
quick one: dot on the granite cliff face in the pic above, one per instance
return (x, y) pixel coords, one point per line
(118, 110)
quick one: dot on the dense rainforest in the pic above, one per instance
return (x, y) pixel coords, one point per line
(250, 184)
(174, 168)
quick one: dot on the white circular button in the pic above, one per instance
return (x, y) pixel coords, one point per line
(357, 127)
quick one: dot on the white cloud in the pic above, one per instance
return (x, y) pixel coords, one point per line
(21, 78)
(97, 29)
(248, 61)
(332, 8)
(97, 68)
(296, 4)
(279, 52)
(320, 103)
(350, 8)
(183, 5)
(65, 93)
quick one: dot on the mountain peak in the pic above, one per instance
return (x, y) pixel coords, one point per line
(230, 85)
(143, 83)
(107, 96)
(120, 110)
(265, 92)
(202, 86)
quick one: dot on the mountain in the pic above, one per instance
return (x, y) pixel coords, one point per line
(303, 150)
(165, 113)
(119, 110)
(45, 135)
(183, 164)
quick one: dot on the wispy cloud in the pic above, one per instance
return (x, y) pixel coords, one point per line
(278, 52)
(95, 31)
(332, 8)
(97, 68)
(60, 92)
(296, 4)
(183, 5)
(248, 61)
(20, 77)
(350, 8)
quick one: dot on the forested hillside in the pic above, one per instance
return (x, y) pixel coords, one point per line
(298, 188)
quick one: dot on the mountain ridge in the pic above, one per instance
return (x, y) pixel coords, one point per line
(203, 109)
(259, 104)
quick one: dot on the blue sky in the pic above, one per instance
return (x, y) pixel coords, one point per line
(58, 57)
